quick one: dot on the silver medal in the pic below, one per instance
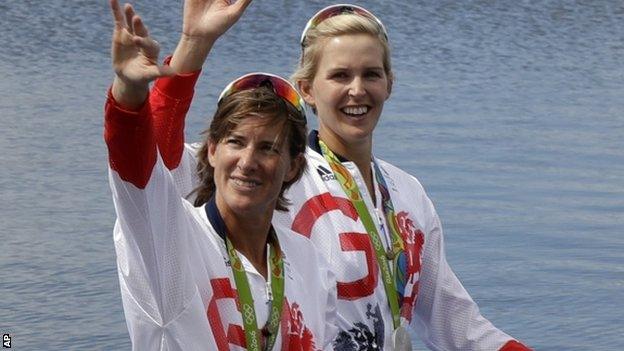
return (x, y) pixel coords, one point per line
(401, 340)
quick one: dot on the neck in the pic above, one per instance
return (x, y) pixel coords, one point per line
(359, 152)
(248, 235)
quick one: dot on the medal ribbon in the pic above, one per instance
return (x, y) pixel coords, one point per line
(276, 272)
(353, 193)
(388, 210)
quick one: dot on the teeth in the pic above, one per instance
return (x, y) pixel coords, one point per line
(248, 184)
(360, 110)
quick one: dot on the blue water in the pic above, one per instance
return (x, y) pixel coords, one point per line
(511, 113)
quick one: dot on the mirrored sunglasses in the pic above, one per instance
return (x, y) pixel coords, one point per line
(279, 85)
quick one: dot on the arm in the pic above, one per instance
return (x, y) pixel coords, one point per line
(204, 21)
(150, 237)
(132, 151)
(170, 100)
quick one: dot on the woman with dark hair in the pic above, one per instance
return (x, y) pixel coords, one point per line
(213, 274)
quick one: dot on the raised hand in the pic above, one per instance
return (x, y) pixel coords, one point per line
(211, 18)
(134, 56)
(204, 22)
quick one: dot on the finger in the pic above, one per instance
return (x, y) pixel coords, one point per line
(117, 14)
(139, 27)
(241, 5)
(236, 10)
(129, 12)
(159, 71)
(166, 70)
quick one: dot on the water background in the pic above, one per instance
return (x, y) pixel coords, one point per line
(511, 113)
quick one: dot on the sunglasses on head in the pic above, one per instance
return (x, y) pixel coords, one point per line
(279, 85)
(337, 10)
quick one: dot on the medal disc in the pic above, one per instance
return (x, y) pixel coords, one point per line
(401, 340)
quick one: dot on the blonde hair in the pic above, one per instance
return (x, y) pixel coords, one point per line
(345, 24)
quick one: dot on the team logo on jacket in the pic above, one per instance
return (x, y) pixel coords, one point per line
(361, 337)
(409, 263)
(296, 335)
(325, 173)
(316, 207)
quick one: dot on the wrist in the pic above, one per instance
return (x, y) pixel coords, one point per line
(191, 53)
(128, 94)
(197, 41)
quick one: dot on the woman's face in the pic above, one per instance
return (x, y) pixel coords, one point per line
(249, 168)
(349, 88)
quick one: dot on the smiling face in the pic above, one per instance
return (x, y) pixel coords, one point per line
(250, 168)
(348, 90)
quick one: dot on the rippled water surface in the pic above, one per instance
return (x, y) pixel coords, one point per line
(511, 113)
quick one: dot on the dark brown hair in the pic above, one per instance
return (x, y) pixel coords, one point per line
(232, 110)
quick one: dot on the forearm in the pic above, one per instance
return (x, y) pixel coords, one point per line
(170, 101)
(171, 97)
(191, 53)
(130, 140)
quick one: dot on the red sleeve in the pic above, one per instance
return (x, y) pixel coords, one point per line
(170, 100)
(130, 140)
(513, 345)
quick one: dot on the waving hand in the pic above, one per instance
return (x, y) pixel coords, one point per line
(209, 19)
(203, 23)
(134, 56)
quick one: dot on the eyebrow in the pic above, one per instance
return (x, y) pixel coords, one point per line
(342, 68)
(271, 142)
(234, 135)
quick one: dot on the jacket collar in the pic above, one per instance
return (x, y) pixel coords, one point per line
(214, 217)
(313, 143)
